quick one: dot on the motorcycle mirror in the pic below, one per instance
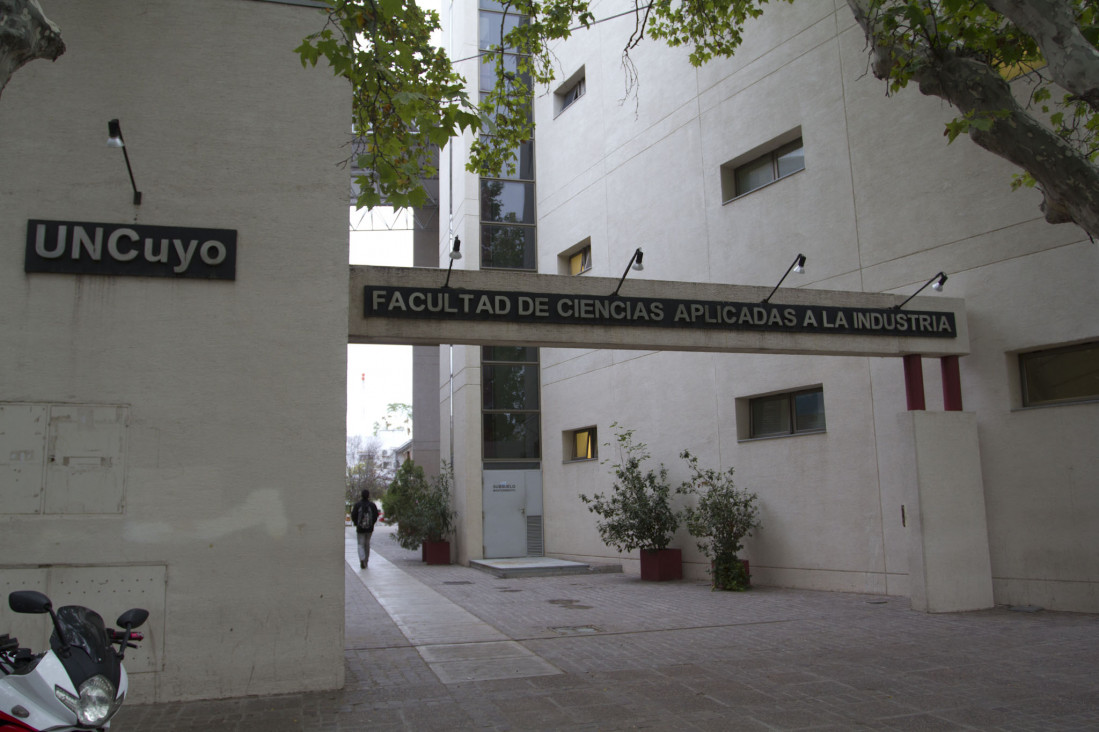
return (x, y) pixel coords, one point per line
(132, 618)
(29, 601)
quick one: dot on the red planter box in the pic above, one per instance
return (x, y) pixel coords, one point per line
(436, 552)
(661, 565)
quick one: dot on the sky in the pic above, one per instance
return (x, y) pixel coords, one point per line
(378, 375)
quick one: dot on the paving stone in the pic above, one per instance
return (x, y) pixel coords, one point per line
(669, 656)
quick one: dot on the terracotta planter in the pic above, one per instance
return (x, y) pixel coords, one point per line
(661, 565)
(436, 552)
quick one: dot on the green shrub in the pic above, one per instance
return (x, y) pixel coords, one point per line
(420, 508)
(637, 514)
(722, 517)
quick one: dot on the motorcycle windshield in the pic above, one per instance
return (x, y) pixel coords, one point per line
(83, 629)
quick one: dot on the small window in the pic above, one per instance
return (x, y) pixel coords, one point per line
(569, 92)
(1060, 375)
(580, 262)
(581, 444)
(576, 259)
(790, 413)
(741, 177)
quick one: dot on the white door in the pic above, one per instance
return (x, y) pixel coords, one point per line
(505, 513)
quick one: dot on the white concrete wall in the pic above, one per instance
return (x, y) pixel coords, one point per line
(883, 204)
(233, 391)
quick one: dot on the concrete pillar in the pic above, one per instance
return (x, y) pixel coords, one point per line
(948, 558)
(425, 359)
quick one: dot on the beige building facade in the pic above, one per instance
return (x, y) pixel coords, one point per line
(992, 504)
(172, 440)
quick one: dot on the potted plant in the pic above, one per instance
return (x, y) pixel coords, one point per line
(421, 509)
(435, 517)
(637, 513)
(722, 517)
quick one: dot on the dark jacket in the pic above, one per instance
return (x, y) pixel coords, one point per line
(357, 509)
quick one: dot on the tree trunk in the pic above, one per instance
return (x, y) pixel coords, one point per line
(25, 34)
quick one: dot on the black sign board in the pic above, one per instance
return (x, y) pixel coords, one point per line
(80, 247)
(559, 309)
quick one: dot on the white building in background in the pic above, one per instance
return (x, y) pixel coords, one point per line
(724, 174)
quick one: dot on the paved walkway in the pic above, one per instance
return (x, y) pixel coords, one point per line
(446, 648)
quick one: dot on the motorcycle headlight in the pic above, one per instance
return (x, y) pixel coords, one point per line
(96, 703)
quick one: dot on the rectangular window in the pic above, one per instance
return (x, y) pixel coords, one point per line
(510, 403)
(507, 201)
(488, 69)
(524, 161)
(511, 436)
(570, 91)
(744, 176)
(581, 444)
(495, 26)
(790, 413)
(580, 262)
(1060, 375)
(510, 386)
(507, 247)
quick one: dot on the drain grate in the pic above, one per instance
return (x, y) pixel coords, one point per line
(576, 630)
(570, 604)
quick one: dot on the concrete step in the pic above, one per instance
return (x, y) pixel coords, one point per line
(539, 567)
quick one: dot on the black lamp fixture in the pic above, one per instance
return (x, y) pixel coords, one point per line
(939, 280)
(455, 253)
(114, 139)
(798, 266)
(635, 262)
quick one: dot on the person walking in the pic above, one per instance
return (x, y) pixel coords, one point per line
(364, 515)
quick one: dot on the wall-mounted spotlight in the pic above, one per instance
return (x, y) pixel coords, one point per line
(455, 253)
(798, 266)
(114, 139)
(635, 262)
(939, 280)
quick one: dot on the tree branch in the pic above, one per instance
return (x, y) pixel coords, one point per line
(1067, 179)
(1073, 61)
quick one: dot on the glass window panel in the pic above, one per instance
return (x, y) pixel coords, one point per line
(755, 174)
(771, 416)
(494, 26)
(506, 201)
(809, 411)
(509, 353)
(507, 247)
(584, 445)
(509, 387)
(524, 161)
(511, 436)
(488, 69)
(574, 92)
(790, 159)
(494, 112)
(580, 262)
(1060, 375)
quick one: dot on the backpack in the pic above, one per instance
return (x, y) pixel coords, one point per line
(368, 514)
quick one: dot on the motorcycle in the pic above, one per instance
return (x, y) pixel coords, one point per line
(79, 683)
